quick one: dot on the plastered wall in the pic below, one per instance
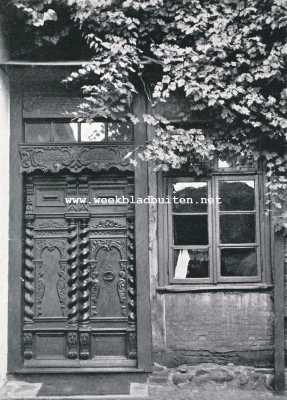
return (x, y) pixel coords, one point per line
(4, 204)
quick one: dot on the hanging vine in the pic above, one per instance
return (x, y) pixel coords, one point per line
(226, 58)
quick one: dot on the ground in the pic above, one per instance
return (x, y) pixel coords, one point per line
(209, 392)
(200, 382)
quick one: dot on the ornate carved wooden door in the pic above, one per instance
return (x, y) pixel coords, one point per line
(78, 272)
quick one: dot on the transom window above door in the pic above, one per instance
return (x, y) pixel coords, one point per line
(64, 131)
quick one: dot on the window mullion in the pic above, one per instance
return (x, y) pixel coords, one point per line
(215, 230)
(79, 131)
(52, 132)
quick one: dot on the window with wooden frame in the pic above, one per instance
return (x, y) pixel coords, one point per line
(215, 229)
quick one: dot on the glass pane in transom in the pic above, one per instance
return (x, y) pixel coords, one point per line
(190, 196)
(94, 132)
(65, 132)
(37, 132)
(237, 195)
(120, 132)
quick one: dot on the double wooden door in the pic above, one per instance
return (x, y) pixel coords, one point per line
(79, 294)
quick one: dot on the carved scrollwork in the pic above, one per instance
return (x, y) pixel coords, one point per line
(61, 286)
(29, 209)
(51, 243)
(122, 287)
(72, 345)
(132, 344)
(107, 244)
(28, 345)
(94, 288)
(50, 224)
(84, 346)
(105, 224)
(74, 157)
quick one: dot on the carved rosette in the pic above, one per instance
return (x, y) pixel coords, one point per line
(29, 272)
(28, 345)
(73, 273)
(84, 272)
(131, 335)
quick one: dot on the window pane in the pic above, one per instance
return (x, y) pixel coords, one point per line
(120, 132)
(37, 132)
(237, 228)
(191, 263)
(189, 196)
(236, 162)
(238, 262)
(94, 132)
(237, 195)
(65, 132)
(190, 229)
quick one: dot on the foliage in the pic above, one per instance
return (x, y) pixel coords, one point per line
(226, 58)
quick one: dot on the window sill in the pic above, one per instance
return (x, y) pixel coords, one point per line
(214, 288)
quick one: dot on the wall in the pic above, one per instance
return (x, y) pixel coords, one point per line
(4, 209)
(207, 326)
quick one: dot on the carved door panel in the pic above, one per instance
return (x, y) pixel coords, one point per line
(78, 272)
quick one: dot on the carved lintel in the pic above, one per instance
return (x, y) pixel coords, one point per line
(72, 345)
(74, 157)
(84, 345)
(28, 345)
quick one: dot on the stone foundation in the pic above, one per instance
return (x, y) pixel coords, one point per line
(232, 376)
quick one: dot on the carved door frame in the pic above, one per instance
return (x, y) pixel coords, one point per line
(16, 237)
